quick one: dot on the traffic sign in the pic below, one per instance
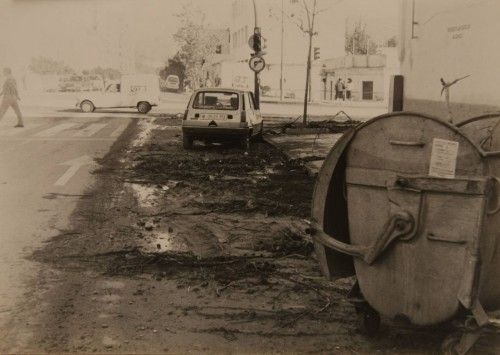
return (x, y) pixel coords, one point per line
(257, 64)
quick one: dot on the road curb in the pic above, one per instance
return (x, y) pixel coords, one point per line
(312, 171)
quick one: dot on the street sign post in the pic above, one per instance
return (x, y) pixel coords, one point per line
(250, 42)
(257, 64)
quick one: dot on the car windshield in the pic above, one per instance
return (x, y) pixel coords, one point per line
(216, 101)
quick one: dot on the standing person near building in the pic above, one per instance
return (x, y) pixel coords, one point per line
(10, 97)
(339, 89)
(348, 88)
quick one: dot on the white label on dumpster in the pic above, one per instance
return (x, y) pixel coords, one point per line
(443, 158)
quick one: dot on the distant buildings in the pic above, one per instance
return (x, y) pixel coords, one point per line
(370, 75)
(281, 39)
(286, 54)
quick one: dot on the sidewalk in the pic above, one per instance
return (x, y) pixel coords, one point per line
(312, 149)
(336, 103)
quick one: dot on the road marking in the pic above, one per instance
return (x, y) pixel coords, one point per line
(90, 130)
(74, 166)
(11, 131)
(56, 139)
(119, 130)
(55, 130)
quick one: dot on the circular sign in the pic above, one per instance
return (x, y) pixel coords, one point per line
(257, 64)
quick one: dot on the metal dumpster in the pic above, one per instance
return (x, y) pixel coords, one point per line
(410, 205)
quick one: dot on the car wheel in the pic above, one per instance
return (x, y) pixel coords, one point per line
(143, 107)
(87, 106)
(259, 135)
(187, 141)
(245, 143)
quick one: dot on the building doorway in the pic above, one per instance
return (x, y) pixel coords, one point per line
(367, 90)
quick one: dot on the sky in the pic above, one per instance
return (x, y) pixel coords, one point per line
(87, 33)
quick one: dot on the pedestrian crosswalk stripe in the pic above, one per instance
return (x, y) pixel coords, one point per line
(55, 130)
(11, 131)
(118, 130)
(90, 130)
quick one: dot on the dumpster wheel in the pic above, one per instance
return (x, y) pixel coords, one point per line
(368, 319)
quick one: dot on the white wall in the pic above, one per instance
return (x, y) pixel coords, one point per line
(455, 38)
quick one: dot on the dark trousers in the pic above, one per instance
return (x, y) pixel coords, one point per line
(11, 102)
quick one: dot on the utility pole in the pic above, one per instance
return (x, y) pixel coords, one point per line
(281, 63)
(257, 33)
(311, 16)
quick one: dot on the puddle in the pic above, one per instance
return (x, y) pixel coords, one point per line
(163, 241)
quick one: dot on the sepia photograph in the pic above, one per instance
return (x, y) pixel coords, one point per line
(250, 177)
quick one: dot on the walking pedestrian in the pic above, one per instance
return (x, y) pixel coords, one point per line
(10, 97)
(348, 88)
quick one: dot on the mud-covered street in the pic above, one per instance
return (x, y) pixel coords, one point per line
(193, 251)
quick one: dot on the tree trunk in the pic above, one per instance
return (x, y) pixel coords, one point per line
(308, 78)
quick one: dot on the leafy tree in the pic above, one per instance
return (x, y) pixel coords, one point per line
(197, 43)
(44, 66)
(175, 66)
(359, 41)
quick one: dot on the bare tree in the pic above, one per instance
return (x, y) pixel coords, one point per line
(44, 65)
(306, 24)
(359, 41)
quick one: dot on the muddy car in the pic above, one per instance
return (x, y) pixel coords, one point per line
(221, 115)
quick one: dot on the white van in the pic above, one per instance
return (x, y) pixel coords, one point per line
(139, 91)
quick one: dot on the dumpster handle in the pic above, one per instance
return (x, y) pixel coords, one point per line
(399, 225)
(497, 208)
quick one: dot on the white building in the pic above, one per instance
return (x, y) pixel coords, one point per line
(370, 75)
(233, 69)
(450, 39)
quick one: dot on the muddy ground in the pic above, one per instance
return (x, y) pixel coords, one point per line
(194, 251)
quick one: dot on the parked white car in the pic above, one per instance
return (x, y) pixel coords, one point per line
(221, 115)
(173, 82)
(133, 91)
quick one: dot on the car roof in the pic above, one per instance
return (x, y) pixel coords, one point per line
(221, 90)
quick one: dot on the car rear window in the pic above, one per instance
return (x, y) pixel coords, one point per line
(215, 100)
(173, 79)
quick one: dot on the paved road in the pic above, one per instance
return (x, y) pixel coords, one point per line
(176, 103)
(44, 170)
